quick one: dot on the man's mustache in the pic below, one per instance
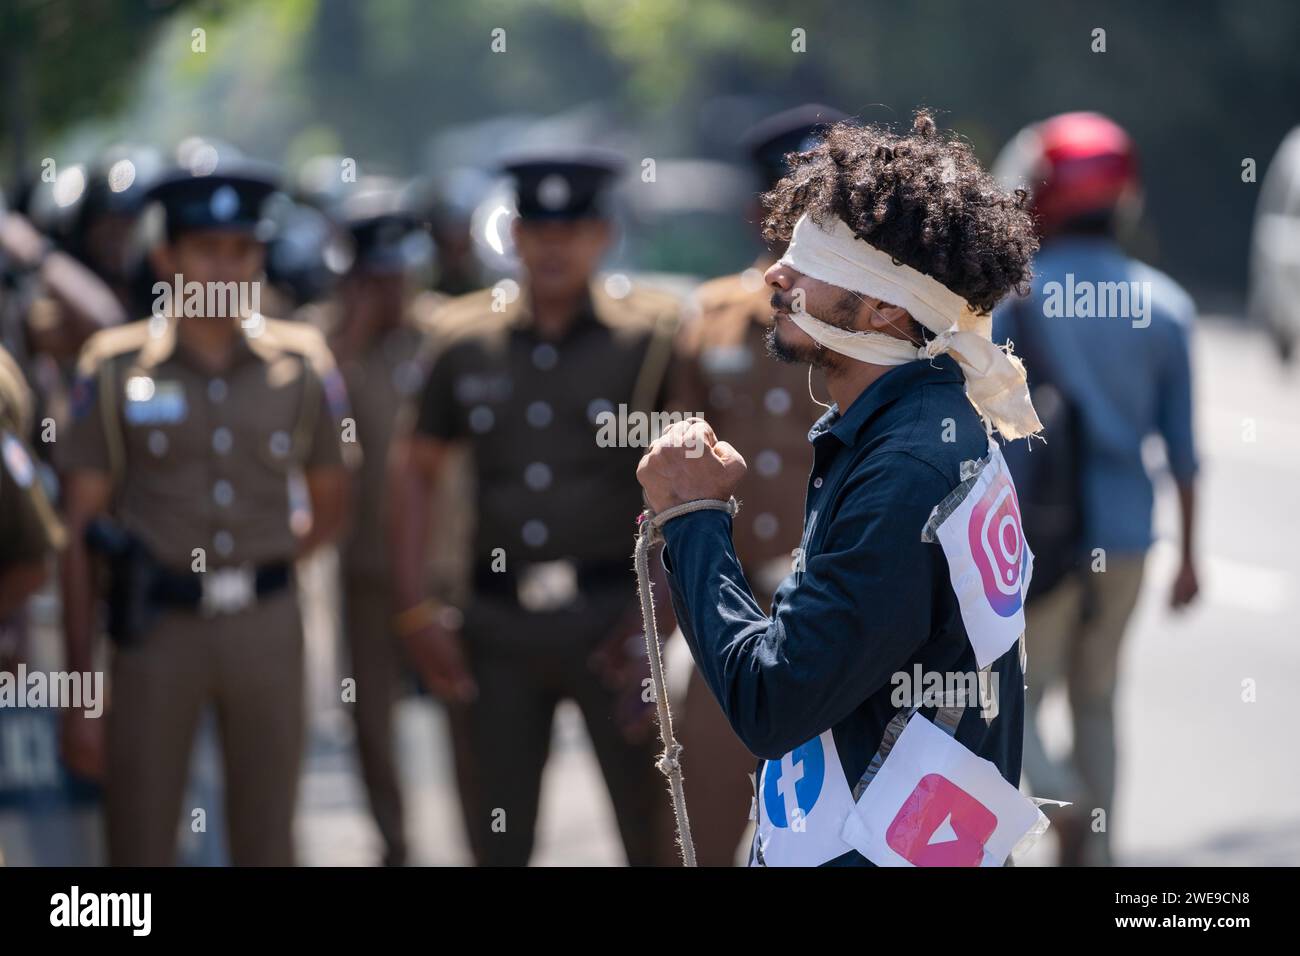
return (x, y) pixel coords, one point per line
(782, 302)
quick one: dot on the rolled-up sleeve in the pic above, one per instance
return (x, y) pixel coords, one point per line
(857, 613)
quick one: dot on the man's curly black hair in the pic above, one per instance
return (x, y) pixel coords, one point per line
(923, 198)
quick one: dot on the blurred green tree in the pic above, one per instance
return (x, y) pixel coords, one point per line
(64, 60)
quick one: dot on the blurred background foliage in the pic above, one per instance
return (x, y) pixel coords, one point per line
(1202, 85)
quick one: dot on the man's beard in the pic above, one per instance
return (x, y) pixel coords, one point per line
(841, 315)
(814, 355)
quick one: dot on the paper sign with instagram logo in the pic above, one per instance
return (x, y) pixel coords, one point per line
(989, 561)
(934, 803)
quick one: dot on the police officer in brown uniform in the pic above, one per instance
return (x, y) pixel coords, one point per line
(526, 378)
(188, 429)
(29, 529)
(726, 375)
(378, 339)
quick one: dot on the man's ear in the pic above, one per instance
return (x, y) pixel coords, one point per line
(890, 319)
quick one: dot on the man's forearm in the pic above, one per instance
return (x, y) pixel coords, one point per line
(409, 519)
(723, 625)
(1187, 513)
(328, 491)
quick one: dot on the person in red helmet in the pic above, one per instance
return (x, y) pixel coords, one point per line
(1108, 341)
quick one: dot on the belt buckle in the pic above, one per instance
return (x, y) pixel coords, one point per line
(547, 586)
(227, 590)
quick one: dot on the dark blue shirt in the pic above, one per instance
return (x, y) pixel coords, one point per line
(868, 598)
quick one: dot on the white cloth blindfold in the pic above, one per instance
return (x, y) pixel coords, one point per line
(995, 379)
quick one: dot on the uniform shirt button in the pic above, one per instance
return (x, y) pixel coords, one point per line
(481, 419)
(537, 476)
(221, 440)
(217, 390)
(224, 542)
(539, 414)
(817, 482)
(598, 407)
(768, 463)
(280, 444)
(223, 493)
(777, 401)
(535, 533)
(545, 356)
(407, 377)
(157, 443)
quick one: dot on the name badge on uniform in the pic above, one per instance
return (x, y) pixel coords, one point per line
(150, 401)
(989, 560)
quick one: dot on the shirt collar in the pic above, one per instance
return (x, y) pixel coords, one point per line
(164, 343)
(592, 308)
(882, 393)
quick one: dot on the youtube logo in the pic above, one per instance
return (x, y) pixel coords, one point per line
(940, 824)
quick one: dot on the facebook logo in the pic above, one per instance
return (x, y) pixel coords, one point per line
(792, 784)
(940, 824)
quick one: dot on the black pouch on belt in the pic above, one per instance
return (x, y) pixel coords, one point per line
(132, 570)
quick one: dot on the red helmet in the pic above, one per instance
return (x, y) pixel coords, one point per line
(1073, 164)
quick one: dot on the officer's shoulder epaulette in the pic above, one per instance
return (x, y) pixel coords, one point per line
(423, 312)
(112, 343)
(642, 308)
(469, 316)
(722, 310)
(653, 301)
(721, 291)
(299, 338)
(319, 315)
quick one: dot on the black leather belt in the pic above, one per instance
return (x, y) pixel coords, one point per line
(591, 576)
(220, 590)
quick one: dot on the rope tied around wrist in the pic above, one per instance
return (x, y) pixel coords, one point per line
(649, 531)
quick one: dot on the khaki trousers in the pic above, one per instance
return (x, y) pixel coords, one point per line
(249, 667)
(1073, 635)
(524, 665)
(377, 668)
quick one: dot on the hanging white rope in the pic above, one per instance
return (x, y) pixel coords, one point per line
(649, 526)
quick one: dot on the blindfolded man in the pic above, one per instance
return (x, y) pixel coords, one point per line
(899, 248)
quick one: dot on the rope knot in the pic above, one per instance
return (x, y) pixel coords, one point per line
(668, 763)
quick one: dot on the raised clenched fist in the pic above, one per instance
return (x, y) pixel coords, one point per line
(688, 462)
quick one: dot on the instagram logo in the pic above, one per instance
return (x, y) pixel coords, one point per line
(998, 545)
(940, 824)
